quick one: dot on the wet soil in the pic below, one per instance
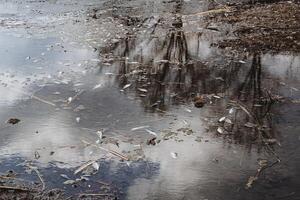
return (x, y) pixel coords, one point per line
(136, 100)
(263, 27)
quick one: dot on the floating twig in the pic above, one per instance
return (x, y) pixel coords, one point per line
(43, 100)
(99, 195)
(39, 176)
(13, 188)
(75, 97)
(107, 150)
(84, 166)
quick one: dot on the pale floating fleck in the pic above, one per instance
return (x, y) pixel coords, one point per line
(220, 130)
(96, 166)
(220, 79)
(69, 99)
(139, 127)
(77, 119)
(69, 182)
(100, 134)
(222, 119)
(295, 89)
(142, 90)
(241, 61)
(250, 125)
(174, 155)
(65, 176)
(126, 86)
(133, 63)
(187, 110)
(271, 141)
(228, 121)
(151, 132)
(250, 182)
(97, 86)
(263, 163)
(231, 110)
(217, 97)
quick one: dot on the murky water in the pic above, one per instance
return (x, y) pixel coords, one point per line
(65, 89)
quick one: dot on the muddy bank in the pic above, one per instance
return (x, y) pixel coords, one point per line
(262, 27)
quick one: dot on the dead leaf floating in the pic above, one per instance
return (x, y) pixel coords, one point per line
(250, 182)
(199, 101)
(152, 141)
(13, 121)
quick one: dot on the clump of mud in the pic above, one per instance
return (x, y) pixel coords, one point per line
(263, 27)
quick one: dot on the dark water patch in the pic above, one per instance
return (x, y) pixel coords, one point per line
(112, 178)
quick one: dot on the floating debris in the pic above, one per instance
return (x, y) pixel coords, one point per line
(151, 141)
(151, 132)
(250, 125)
(220, 130)
(126, 86)
(199, 101)
(96, 166)
(174, 155)
(187, 131)
(228, 121)
(139, 128)
(36, 155)
(13, 121)
(198, 139)
(222, 119)
(69, 100)
(217, 97)
(231, 110)
(65, 176)
(100, 134)
(97, 86)
(69, 182)
(142, 90)
(187, 110)
(263, 163)
(271, 141)
(84, 166)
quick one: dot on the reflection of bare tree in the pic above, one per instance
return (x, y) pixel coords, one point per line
(167, 71)
(253, 121)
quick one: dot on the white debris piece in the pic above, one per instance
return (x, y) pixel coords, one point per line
(174, 155)
(96, 166)
(139, 127)
(151, 132)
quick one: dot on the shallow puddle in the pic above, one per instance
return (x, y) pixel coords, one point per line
(138, 105)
